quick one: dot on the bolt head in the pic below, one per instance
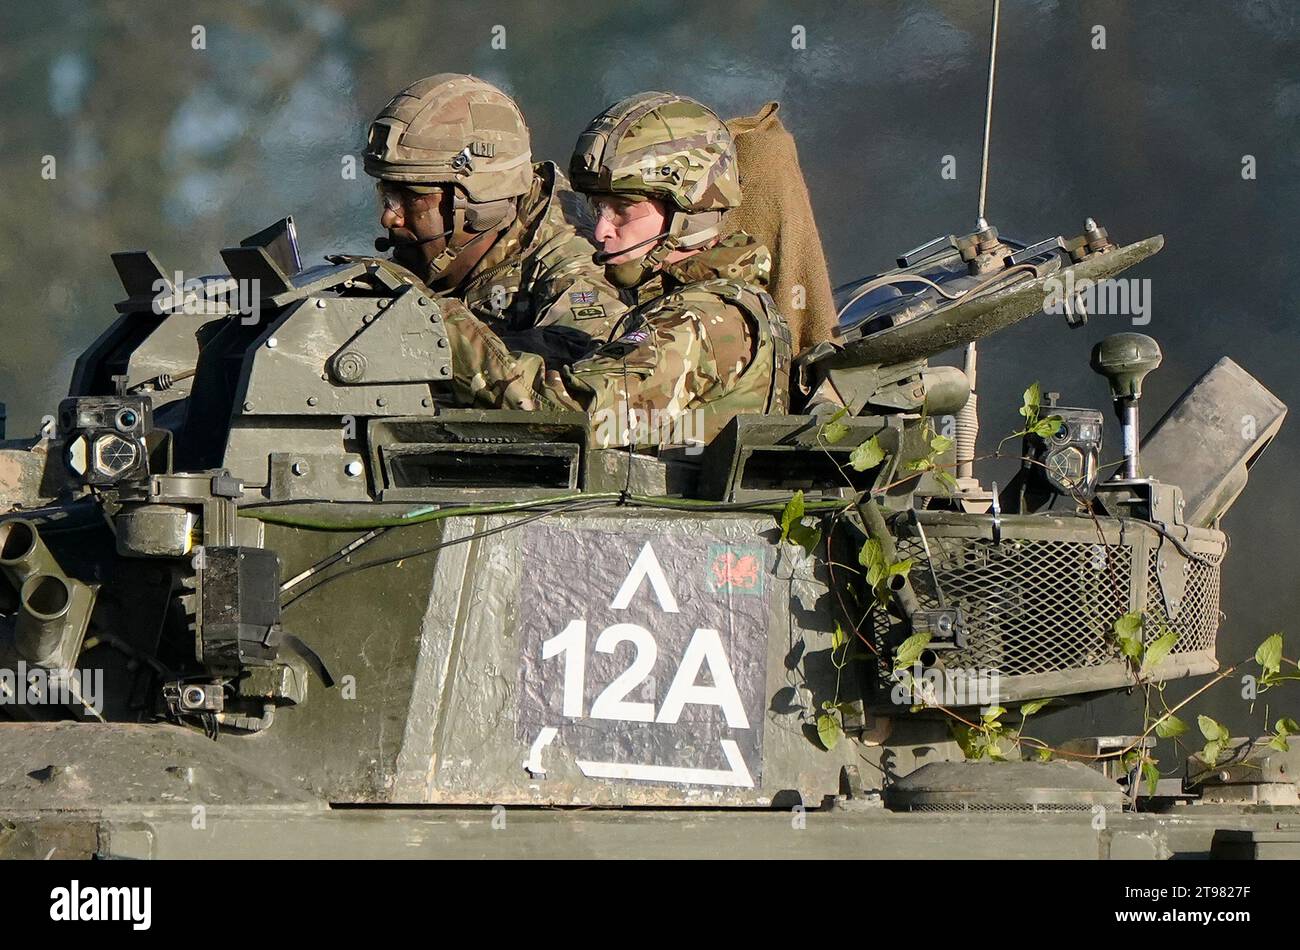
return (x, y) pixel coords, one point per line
(248, 407)
(442, 342)
(353, 469)
(272, 343)
(298, 468)
(312, 400)
(320, 304)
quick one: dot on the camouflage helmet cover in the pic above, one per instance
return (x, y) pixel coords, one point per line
(452, 129)
(659, 145)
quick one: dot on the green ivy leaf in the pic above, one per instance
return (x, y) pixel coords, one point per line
(1214, 731)
(942, 443)
(1269, 654)
(1211, 752)
(1044, 755)
(1170, 726)
(993, 713)
(829, 732)
(1158, 649)
(1029, 708)
(838, 638)
(946, 479)
(872, 557)
(834, 432)
(872, 554)
(1128, 631)
(1128, 624)
(919, 465)
(792, 514)
(1033, 399)
(1151, 774)
(806, 536)
(1047, 427)
(1285, 727)
(900, 567)
(911, 649)
(831, 430)
(867, 455)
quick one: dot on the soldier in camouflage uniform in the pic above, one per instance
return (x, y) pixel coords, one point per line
(660, 170)
(469, 214)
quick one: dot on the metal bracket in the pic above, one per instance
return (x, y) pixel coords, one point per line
(1172, 570)
(405, 343)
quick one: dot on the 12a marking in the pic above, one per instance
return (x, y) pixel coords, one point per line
(705, 648)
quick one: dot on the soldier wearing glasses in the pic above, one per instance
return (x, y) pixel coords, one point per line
(468, 212)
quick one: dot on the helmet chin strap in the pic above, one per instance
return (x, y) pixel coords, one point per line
(387, 244)
(439, 266)
(635, 273)
(604, 257)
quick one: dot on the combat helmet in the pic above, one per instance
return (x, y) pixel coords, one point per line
(660, 145)
(459, 130)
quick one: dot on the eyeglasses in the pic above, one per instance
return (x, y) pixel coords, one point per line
(619, 212)
(397, 199)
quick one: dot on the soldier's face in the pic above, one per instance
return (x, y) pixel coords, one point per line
(625, 224)
(415, 223)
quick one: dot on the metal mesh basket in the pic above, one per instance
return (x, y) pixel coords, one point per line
(1040, 603)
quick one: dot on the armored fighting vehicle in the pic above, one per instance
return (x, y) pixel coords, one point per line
(263, 583)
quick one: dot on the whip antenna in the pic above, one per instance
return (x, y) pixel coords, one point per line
(988, 115)
(967, 422)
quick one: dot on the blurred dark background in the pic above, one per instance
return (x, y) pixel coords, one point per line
(183, 151)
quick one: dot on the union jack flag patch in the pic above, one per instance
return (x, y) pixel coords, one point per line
(582, 296)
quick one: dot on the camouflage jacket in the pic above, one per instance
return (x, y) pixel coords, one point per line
(710, 347)
(540, 272)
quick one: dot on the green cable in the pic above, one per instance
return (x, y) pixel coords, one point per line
(426, 513)
(420, 515)
(700, 504)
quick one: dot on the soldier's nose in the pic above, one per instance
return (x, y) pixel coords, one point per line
(604, 231)
(388, 218)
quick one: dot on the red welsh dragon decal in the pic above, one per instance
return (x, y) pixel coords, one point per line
(732, 571)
